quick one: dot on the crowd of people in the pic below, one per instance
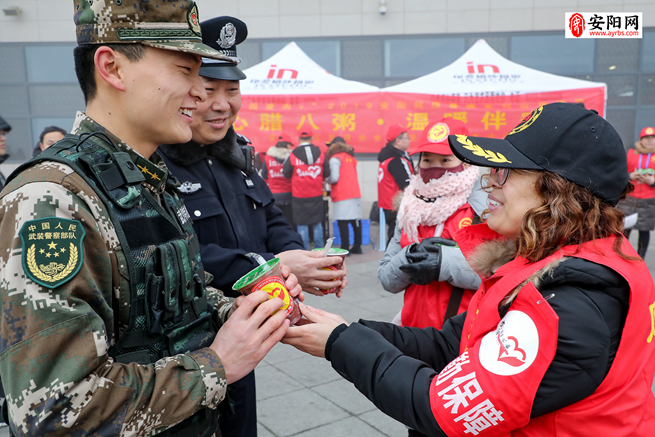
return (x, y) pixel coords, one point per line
(526, 310)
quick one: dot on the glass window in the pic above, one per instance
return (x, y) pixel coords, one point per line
(327, 54)
(623, 121)
(362, 59)
(12, 64)
(554, 53)
(648, 56)
(420, 56)
(13, 101)
(56, 100)
(621, 89)
(19, 141)
(50, 64)
(617, 55)
(499, 43)
(250, 54)
(647, 93)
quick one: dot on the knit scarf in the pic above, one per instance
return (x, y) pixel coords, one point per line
(449, 193)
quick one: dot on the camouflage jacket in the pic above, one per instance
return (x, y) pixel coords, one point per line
(54, 342)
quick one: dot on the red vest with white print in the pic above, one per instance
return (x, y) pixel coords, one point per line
(276, 180)
(642, 190)
(489, 389)
(387, 186)
(425, 305)
(348, 186)
(307, 180)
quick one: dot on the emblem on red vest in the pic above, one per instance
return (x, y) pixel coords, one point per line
(512, 347)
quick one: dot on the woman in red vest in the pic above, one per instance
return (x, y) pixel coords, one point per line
(272, 173)
(641, 165)
(345, 194)
(421, 258)
(559, 340)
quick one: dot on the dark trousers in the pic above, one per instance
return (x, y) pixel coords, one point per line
(390, 217)
(243, 422)
(344, 232)
(287, 212)
(642, 244)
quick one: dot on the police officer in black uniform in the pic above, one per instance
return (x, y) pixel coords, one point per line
(233, 210)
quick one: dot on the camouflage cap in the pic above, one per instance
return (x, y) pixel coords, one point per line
(164, 24)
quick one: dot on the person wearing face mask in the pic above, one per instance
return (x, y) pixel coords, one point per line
(559, 338)
(421, 258)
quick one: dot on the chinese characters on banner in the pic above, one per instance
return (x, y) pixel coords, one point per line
(362, 119)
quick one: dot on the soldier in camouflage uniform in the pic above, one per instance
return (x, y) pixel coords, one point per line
(108, 327)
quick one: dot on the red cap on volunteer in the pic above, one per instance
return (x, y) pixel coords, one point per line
(434, 138)
(394, 132)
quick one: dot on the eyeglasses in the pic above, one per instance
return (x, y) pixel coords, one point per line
(501, 175)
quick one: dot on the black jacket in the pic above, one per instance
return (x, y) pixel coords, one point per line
(233, 212)
(397, 167)
(394, 366)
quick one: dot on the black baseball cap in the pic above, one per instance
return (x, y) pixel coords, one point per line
(562, 138)
(223, 34)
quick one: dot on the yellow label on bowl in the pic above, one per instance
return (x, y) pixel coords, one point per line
(274, 287)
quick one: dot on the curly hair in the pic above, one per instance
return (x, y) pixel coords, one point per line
(570, 215)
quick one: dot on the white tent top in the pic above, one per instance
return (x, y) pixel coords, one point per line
(291, 71)
(481, 71)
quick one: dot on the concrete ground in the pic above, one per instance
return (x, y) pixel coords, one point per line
(301, 396)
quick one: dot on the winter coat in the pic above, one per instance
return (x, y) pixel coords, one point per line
(233, 213)
(395, 367)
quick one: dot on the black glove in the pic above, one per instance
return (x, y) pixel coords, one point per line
(423, 268)
(430, 245)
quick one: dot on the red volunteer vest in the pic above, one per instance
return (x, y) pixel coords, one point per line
(307, 180)
(489, 389)
(276, 180)
(642, 191)
(425, 305)
(387, 186)
(348, 186)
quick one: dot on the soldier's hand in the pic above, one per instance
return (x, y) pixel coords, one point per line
(250, 332)
(308, 267)
(292, 284)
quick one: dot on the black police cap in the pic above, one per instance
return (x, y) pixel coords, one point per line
(563, 138)
(223, 34)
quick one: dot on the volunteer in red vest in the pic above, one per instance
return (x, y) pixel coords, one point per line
(560, 337)
(271, 172)
(306, 167)
(394, 171)
(345, 194)
(422, 259)
(641, 166)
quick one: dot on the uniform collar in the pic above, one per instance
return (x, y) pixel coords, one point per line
(227, 150)
(154, 170)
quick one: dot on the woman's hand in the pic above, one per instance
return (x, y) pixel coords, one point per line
(311, 334)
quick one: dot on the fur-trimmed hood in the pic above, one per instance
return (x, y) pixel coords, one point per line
(279, 153)
(641, 149)
(227, 150)
(488, 257)
(339, 148)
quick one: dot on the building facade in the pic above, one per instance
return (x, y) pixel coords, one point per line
(352, 39)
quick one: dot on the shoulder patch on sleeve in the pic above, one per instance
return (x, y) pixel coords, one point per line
(52, 250)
